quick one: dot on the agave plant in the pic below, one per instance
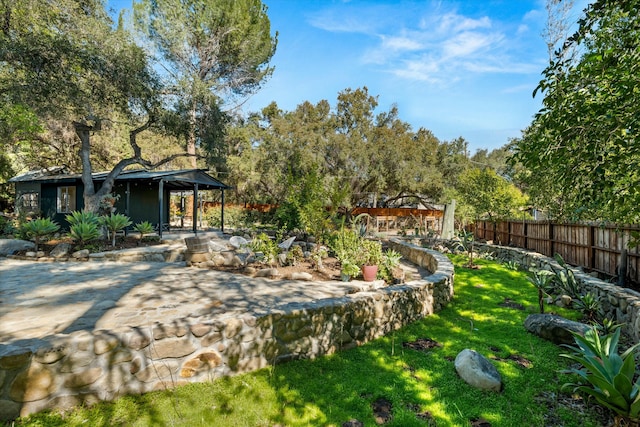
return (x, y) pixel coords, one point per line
(605, 374)
(144, 227)
(78, 217)
(38, 229)
(541, 279)
(115, 223)
(84, 232)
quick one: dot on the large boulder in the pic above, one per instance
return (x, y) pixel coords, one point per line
(477, 371)
(554, 328)
(11, 246)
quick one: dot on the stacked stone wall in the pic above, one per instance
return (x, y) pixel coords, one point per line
(619, 304)
(84, 367)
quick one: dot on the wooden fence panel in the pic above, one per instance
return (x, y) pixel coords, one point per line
(592, 246)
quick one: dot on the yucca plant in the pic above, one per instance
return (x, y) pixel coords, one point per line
(541, 279)
(144, 227)
(114, 223)
(38, 229)
(605, 374)
(565, 281)
(84, 232)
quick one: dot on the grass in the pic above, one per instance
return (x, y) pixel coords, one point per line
(422, 386)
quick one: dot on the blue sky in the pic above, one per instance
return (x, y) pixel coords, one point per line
(458, 68)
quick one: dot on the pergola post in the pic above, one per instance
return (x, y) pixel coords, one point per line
(195, 208)
(161, 205)
(222, 212)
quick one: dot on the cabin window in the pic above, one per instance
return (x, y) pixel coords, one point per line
(29, 203)
(66, 199)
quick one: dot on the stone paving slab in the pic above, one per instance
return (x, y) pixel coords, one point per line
(41, 299)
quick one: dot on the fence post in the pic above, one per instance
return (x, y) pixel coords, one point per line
(551, 240)
(592, 250)
(525, 231)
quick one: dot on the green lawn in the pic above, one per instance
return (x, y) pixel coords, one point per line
(422, 386)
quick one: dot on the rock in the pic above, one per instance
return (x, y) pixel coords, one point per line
(238, 242)
(282, 259)
(30, 254)
(554, 328)
(268, 272)
(84, 253)
(285, 245)
(61, 250)
(301, 275)
(11, 246)
(566, 300)
(216, 247)
(477, 371)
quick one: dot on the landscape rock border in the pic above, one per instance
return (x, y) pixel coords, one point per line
(65, 370)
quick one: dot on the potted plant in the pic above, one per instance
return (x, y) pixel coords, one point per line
(370, 258)
(348, 270)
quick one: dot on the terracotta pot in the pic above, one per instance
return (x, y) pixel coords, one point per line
(369, 272)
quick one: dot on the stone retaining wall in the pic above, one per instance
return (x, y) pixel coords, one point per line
(619, 304)
(83, 367)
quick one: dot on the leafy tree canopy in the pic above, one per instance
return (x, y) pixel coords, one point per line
(583, 148)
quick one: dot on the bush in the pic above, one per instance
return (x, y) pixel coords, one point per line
(234, 217)
(38, 229)
(605, 374)
(115, 223)
(84, 232)
(143, 228)
(78, 217)
(262, 243)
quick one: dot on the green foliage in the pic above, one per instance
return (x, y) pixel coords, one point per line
(84, 232)
(78, 217)
(370, 252)
(605, 374)
(263, 243)
(7, 227)
(565, 281)
(345, 244)
(589, 306)
(490, 195)
(581, 150)
(233, 217)
(541, 279)
(295, 255)
(143, 228)
(390, 261)
(349, 268)
(39, 229)
(114, 223)
(512, 265)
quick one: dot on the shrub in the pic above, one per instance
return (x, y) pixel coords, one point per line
(38, 229)
(295, 255)
(234, 217)
(605, 374)
(541, 279)
(589, 306)
(390, 262)
(262, 243)
(115, 223)
(143, 228)
(84, 232)
(370, 252)
(78, 217)
(565, 281)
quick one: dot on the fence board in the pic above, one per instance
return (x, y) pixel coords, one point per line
(592, 246)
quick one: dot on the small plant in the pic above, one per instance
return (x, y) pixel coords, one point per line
(589, 306)
(606, 375)
(143, 228)
(541, 279)
(349, 268)
(39, 229)
(512, 265)
(565, 281)
(78, 217)
(262, 243)
(114, 223)
(370, 252)
(608, 326)
(390, 263)
(317, 255)
(295, 255)
(84, 232)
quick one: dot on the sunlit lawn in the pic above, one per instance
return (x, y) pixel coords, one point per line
(422, 386)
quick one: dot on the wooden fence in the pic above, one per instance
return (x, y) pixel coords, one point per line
(592, 246)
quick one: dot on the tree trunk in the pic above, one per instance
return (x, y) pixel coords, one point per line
(191, 137)
(91, 201)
